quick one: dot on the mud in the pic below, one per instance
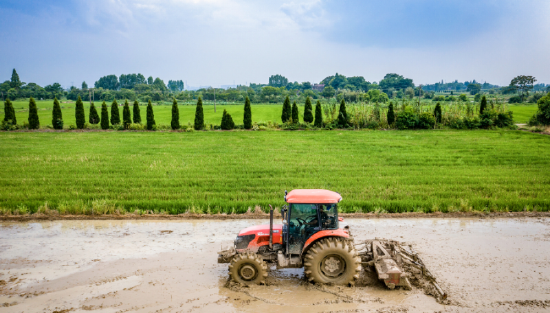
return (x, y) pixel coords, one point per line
(484, 264)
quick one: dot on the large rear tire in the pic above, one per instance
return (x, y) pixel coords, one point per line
(248, 269)
(332, 260)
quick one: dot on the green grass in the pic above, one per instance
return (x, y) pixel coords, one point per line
(392, 171)
(522, 113)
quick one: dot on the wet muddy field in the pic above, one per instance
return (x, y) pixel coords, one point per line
(485, 265)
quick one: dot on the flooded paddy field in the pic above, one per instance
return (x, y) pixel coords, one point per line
(485, 265)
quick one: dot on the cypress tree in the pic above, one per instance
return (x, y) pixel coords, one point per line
(391, 114)
(285, 116)
(57, 116)
(308, 111)
(137, 113)
(79, 114)
(34, 122)
(227, 121)
(199, 116)
(9, 112)
(318, 115)
(115, 113)
(126, 116)
(483, 105)
(175, 115)
(247, 119)
(104, 116)
(342, 115)
(94, 117)
(295, 118)
(438, 114)
(150, 116)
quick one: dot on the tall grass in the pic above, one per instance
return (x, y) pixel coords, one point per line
(207, 172)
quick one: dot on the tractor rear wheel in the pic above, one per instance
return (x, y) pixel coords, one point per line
(332, 260)
(248, 269)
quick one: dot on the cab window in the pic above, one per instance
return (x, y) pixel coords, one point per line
(329, 216)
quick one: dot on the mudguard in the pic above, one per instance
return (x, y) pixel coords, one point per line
(325, 233)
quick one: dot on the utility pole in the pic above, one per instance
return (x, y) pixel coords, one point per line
(214, 99)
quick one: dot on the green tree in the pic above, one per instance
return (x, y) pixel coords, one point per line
(84, 85)
(57, 116)
(483, 105)
(287, 111)
(126, 116)
(104, 116)
(295, 116)
(79, 114)
(175, 123)
(523, 83)
(308, 111)
(391, 114)
(15, 82)
(543, 113)
(34, 122)
(9, 113)
(115, 113)
(150, 116)
(328, 92)
(247, 119)
(474, 88)
(137, 113)
(438, 114)
(343, 115)
(199, 116)
(227, 121)
(318, 115)
(94, 117)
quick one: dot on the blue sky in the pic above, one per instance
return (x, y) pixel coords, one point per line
(219, 42)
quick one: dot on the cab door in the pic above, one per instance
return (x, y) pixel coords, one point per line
(303, 222)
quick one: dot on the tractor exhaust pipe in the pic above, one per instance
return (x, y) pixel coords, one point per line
(270, 227)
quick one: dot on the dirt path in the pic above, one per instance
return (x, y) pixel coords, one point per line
(485, 265)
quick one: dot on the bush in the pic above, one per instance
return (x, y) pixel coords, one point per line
(150, 117)
(126, 117)
(227, 121)
(287, 111)
(535, 98)
(79, 114)
(104, 116)
(9, 113)
(426, 120)
(247, 119)
(391, 114)
(471, 122)
(137, 113)
(514, 99)
(34, 122)
(343, 119)
(199, 116)
(175, 123)
(115, 114)
(372, 125)
(482, 105)
(295, 114)
(57, 116)
(438, 98)
(308, 111)
(504, 119)
(318, 115)
(488, 118)
(406, 119)
(94, 117)
(438, 114)
(477, 97)
(543, 113)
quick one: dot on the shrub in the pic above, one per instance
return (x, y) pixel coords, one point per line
(318, 115)
(137, 113)
(372, 125)
(477, 97)
(150, 117)
(391, 114)
(426, 120)
(438, 98)
(9, 113)
(199, 116)
(104, 116)
(308, 111)
(34, 122)
(535, 98)
(488, 118)
(505, 119)
(126, 117)
(247, 119)
(471, 122)
(115, 114)
(57, 116)
(175, 123)
(482, 105)
(295, 116)
(285, 116)
(543, 113)
(514, 99)
(227, 121)
(79, 113)
(343, 119)
(463, 97)
(406, 119)
(94, 117)
(438, 114)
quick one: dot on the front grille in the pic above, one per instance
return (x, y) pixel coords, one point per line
(242, 241)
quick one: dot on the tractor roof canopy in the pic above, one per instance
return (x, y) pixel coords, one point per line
(313, 196)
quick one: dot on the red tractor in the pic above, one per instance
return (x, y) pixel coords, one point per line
(311, 236)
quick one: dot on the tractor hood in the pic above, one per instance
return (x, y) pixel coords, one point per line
(262, 230)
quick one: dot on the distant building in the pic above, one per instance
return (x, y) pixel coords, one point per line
(318, 87)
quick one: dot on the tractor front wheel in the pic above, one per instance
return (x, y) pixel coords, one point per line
(332, 260)
(248, 269)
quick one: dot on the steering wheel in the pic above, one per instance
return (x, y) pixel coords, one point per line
(301, 221)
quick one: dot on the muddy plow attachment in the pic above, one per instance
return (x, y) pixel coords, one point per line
(396, 263)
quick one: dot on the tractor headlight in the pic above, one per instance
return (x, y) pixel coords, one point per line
(241, 242)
